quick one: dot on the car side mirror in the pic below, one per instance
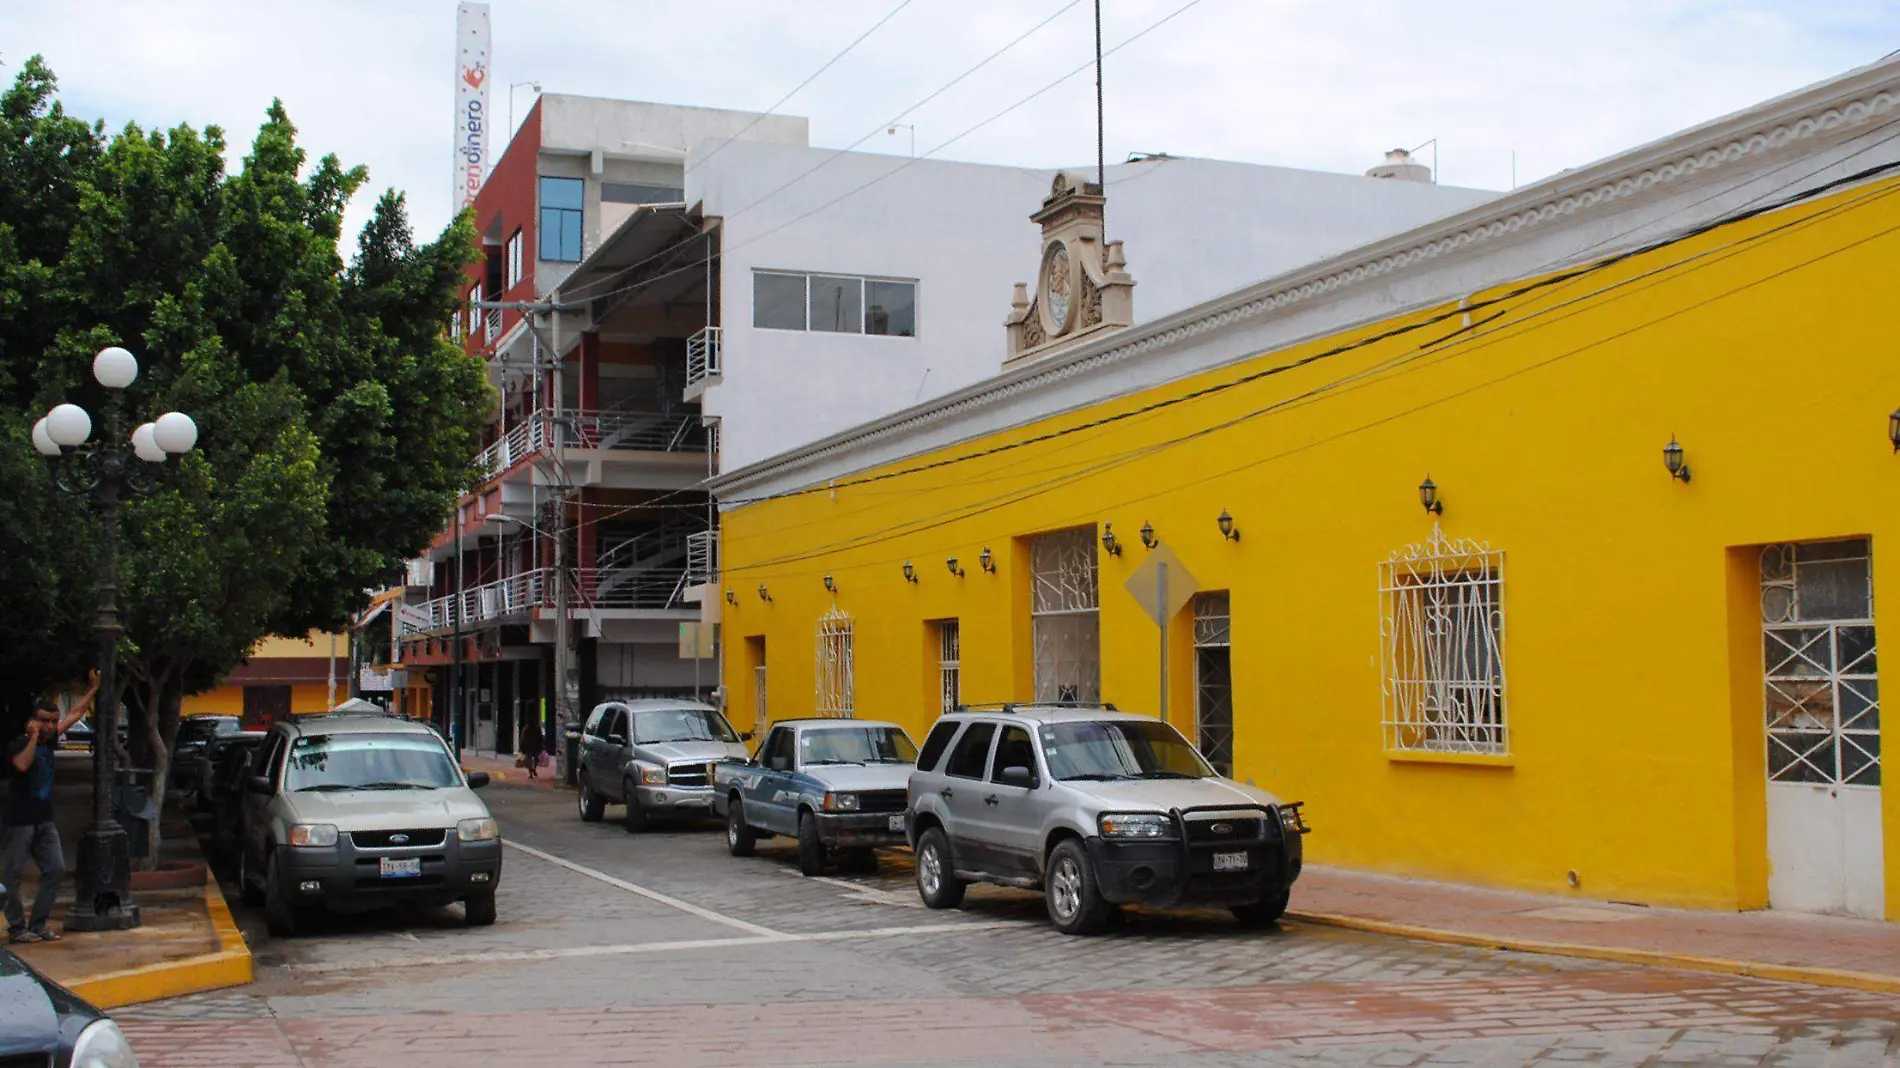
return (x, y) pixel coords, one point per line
(258, 784)
(745, 736)
(616, 739)
(1019, 776)
(477, 779)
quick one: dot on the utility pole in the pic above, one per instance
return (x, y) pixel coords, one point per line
(1101, 167)
(452, 714)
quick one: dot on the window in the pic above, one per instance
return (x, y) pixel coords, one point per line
(934, 745)
(561, 219)
(834, 664)
(357, 761)
(512, 266)
(631, 193)
(778, 749)
(1120, 749)
(855, 745)
(972, 753)
(834, 304)
(1214, 681)
(474, 313)
(596, 721)
(1443, 647)
(949, 671)
(1013, 750)
(665, 725)
(1822, 691)
(1062, 617)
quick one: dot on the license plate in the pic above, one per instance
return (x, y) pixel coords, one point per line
(1230, 862)
(402, 867)
(897, 823)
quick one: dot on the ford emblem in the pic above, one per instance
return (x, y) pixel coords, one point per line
(398, 839)
(1222, 828)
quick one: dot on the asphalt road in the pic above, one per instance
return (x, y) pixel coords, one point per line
(618, 949)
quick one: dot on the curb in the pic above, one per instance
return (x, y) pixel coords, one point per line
(1870, 982)
(229, 966)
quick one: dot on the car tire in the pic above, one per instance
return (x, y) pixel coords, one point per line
(1266, 912)
(811, 849)
(248, 891)
(937, 883)
(592, 805)
(479, 909)
(636, 818)
(281, 916)
(740, 839)
(1076, 905)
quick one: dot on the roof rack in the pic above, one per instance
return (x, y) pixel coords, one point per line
(1012, 706)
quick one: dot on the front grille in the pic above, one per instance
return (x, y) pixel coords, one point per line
(883, 800)
(1210, 832)
(426, 836)
(689, 775)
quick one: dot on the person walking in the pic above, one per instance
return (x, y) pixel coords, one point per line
(531, 746)
(26, 824)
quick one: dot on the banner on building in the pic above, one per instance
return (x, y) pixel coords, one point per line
(471, 101)
(381, 680)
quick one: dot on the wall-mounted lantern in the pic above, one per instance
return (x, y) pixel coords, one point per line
(1672, 459)
(1148, 535)
(988, 560)
(1893, 429)
(763, 595)
(1110, 543)
(954, 569)
(732, 598)
(910, 571)
(1428, 496)
(1227, 528)
(831, 585)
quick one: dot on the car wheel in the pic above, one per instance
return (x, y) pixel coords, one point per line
(636, 820)
(1075, 901)
(593, 806)
(739, 838)
(280, 909)
(811, 850)
(479, 910)
(1265, 912)
(248, 891)
(937, 884)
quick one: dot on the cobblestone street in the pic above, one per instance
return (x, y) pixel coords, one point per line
(661, 949)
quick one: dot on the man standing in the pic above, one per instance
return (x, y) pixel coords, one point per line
(26, 824)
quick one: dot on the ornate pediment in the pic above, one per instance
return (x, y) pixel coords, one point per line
(1082, 284)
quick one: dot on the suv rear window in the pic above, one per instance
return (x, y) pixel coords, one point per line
(936, 743)
(971, 757)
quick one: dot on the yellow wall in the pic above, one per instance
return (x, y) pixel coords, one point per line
(1632, 647)
(228, 699)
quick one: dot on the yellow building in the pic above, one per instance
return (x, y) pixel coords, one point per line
(283, 676)
(1627, 653)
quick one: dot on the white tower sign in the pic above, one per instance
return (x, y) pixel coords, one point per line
(471, 101)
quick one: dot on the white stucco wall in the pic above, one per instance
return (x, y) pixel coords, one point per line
(1193, 229)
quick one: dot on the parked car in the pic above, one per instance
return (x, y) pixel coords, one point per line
(78, 736)
(43, 1023)
(224, 789)
(210, 757)
(838, 785)
(654, 755)
(1096, 808)
(352, 811)
(195, 734)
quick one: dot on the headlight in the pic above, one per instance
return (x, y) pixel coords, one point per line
(481, 829)
(313, 834)
(652, 776)
(103, 1045)
(1136, 825)
(841, 802)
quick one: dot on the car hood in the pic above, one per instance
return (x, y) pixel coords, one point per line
(690, 752)
(31, 1009)
(843, 777)
(1160, 795)
(387, 810)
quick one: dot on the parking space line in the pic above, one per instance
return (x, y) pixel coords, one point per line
(650, 895)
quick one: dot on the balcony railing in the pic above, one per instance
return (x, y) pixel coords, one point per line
(702, 557)
(703, 356)
(520, 595)
(620, 430)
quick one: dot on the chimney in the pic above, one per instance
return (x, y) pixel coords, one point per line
(1398, 164)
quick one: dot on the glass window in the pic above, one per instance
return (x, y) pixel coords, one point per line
(681, 725)
(594, 721)
(1120, 749)
(632, 193)
(778, 750)
(837, 304)
(972, 753)
(513, 263)
(936, 743)
(370, 762)
(1014, 751)
(890, 308)
(778, 301)
(855, 745)
(560, 237)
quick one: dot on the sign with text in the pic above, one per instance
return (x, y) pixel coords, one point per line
(471, 102)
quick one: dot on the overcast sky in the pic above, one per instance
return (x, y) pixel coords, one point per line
(1326, 84)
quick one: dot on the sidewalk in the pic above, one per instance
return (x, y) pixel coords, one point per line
(1825, 950)
(502, 769)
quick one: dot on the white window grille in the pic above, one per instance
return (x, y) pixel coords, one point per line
(474, 313)
(512, 262)
(834, 665)
(1063, 617)
(1443, 647)
(759, 715)
(949, 665)
(1822, 695)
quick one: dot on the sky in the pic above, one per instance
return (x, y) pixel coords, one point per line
(1322, 84)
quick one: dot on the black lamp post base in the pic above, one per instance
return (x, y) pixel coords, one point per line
(103, 882)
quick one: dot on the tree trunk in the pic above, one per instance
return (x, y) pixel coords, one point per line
(162, 706)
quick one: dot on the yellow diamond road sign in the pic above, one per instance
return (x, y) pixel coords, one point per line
(1162, 584)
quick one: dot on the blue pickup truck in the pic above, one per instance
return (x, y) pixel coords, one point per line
(839, 786)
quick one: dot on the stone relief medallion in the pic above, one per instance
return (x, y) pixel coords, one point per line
(1058, 287)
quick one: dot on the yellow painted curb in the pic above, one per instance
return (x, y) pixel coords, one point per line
(1784, 973)
(229, 966)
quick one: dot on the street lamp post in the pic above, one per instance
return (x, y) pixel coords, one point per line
(102, 899)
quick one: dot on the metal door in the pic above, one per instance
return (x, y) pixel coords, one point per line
(1822, 708)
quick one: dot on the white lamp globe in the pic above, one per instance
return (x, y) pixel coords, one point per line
(42, 441)
(145, 444)
(115, 368)
(175, 433)
(68, 425)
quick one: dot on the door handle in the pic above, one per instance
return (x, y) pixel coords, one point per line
(946, 793)
(990, 800)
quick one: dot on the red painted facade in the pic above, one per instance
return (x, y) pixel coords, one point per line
(506, 203)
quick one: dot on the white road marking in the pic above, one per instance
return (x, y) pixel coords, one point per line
(570, 952)
(650, 895)
(867, 894)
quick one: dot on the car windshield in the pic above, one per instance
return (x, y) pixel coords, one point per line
(855, 745)
(369, 762)
(681, 725)
(1121, 749)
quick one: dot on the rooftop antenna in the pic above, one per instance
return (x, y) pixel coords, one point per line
(1433, 145)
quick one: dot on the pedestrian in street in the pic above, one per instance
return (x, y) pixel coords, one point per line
(26, 824)
(531, 746)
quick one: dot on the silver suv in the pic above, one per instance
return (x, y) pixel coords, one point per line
(1098, 809)
(654, 755)
(351, 811)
